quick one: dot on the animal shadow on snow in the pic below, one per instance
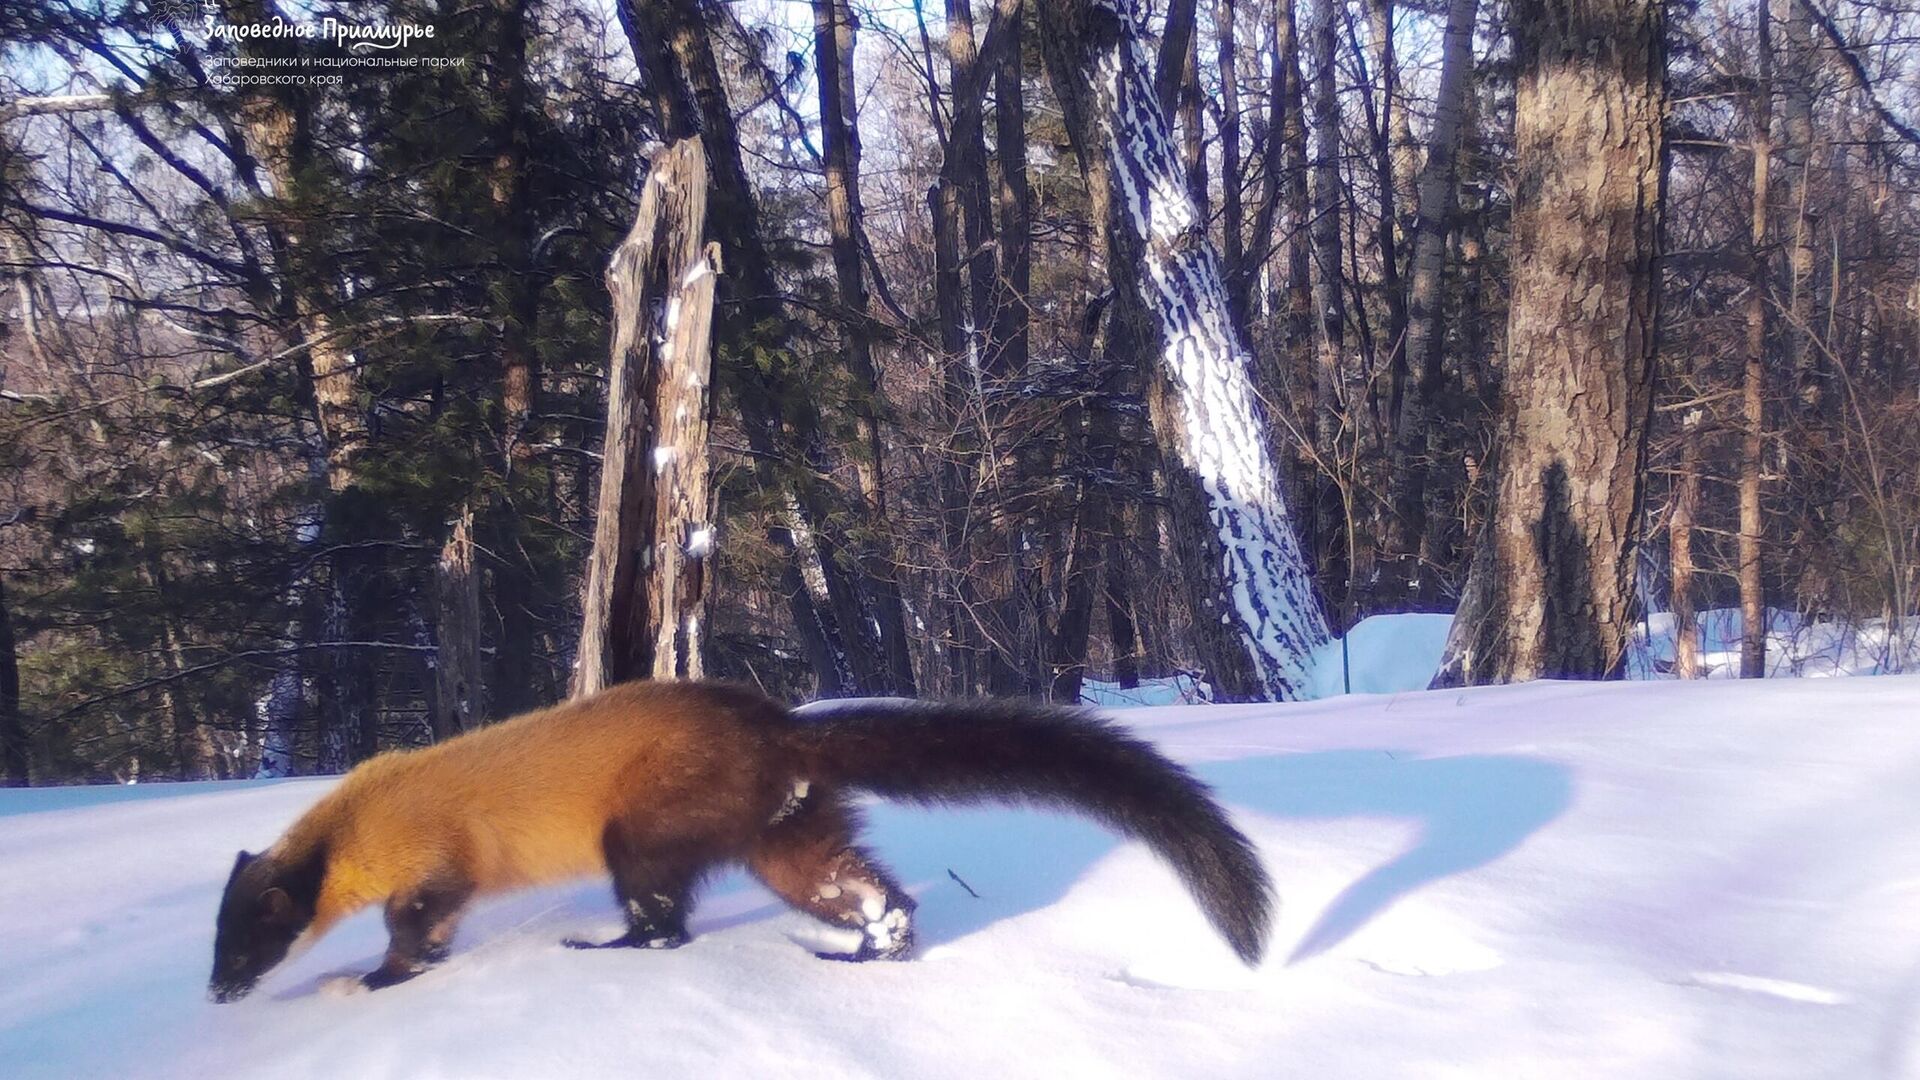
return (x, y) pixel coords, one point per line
(1470, 810)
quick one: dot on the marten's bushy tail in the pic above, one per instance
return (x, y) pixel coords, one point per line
(1069, 758)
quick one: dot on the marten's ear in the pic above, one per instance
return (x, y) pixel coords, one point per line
(239, 864)
(276, 906)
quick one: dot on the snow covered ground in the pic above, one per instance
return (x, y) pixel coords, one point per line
(1797, 647)
(1390, 654)
(1652, 879)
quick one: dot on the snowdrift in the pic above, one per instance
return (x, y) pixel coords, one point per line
(1630, 880)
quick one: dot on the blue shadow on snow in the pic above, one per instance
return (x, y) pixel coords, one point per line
(1471, 811)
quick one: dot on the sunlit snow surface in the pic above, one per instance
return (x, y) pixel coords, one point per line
(1630, 880)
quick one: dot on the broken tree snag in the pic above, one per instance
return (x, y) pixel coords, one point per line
(1253, 594)
(645, 604)
(456, 660)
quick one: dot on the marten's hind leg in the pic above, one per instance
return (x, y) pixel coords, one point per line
(809, 857)
(653, 880)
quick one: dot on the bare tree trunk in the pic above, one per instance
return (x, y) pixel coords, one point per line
(278, 122)
(1091, 513)
(1229, 504)
(1093, 456)
(1680, 525)
(1329, 301)
(671, 41)
(1395, 118)
(1122, 634)
(1753, 384)
(833, 31)
(457, 704)
(1233, 255)
(15, 751)
(193, 750)
(1298, 330)
(1191, 126)
(1380, 120)
(965, 169)
(513, 685)
(1439, 184)
(1589, 110)
(288, 704)
(1023, 612)
(1176, 42)
(645, 603)
(1797, 157)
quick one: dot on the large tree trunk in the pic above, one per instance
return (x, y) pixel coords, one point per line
(1253, 599)
(1425, 329)
(645, 604)
(15, 758)
(1753, 383)
(1589, 106)
(833, 36)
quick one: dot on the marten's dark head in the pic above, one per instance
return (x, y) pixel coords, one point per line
(268, 904)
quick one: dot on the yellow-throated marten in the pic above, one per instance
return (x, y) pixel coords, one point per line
(659, 784)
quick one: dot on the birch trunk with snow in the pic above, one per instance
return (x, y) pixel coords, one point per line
(1252, 582)
(644, 608)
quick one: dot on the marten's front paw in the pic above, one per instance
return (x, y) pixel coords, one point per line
(382, 977)
(632, 940)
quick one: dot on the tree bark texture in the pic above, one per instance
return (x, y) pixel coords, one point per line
(1331, 536)
(644, 608)
(456, 663)
(1680, 525)
(1577, 392)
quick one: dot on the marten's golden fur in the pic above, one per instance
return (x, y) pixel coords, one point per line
(525, 802)
(659, 783)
